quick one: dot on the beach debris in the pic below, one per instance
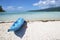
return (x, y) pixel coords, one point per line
(44, 20)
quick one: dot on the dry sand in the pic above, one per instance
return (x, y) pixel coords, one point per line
(35, 31)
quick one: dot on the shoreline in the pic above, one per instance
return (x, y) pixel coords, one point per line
(30, 21)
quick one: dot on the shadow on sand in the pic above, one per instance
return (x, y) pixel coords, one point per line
(20, 33)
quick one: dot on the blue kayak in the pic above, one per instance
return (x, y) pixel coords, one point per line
(17, 25)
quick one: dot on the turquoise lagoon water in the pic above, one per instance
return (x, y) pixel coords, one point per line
(7, 16)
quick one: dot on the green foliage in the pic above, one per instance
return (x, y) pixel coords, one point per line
(1, 9)
(48, 9)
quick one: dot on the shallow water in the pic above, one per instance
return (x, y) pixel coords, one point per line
(9, 16)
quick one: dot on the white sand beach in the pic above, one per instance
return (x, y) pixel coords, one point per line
(36, 30)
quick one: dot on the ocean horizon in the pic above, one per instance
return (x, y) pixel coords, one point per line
(13, 16)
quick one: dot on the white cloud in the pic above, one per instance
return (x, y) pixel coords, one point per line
(19, 8)
(10, 8)
(57, 2)
(40, 3)
(45, 3)
(14, 8)
(52, 1)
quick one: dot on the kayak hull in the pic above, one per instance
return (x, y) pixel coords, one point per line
(17, 25)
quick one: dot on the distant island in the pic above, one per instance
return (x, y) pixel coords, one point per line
(1, 9)
(47, 9)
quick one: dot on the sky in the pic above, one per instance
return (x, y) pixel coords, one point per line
(23, 5)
